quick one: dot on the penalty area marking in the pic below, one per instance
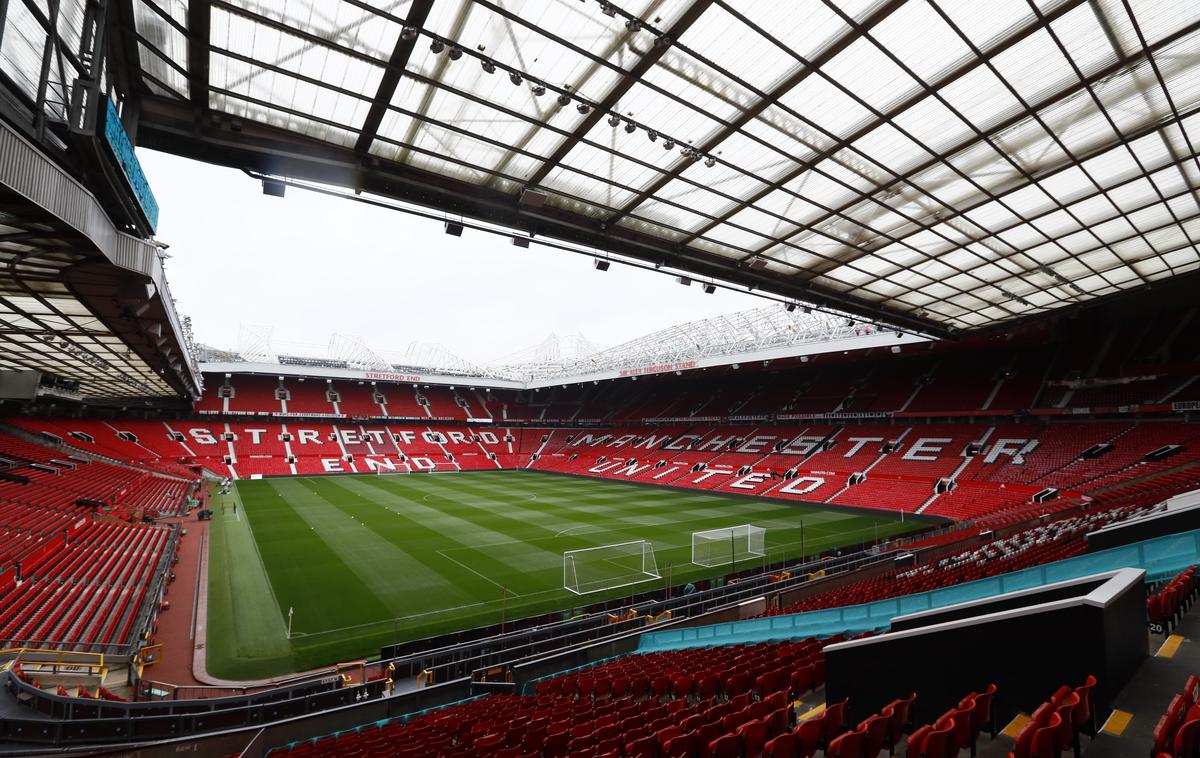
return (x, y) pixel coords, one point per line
(420, 615)
(476, 573)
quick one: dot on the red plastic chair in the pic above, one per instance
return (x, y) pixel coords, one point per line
(781, 746)
(834, 719)
(848, 745)
(939, 743)
(900, 709)
(810, 736)
(753, 735)
(1187, 740)
(875, 732)
(725, 746)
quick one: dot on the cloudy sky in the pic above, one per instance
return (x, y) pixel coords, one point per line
(309, 265)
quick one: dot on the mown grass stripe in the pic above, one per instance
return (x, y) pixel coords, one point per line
(368, 560)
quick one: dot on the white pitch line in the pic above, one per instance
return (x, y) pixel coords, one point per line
(476, 573)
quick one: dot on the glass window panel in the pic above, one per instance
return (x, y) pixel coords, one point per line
(873, 77)
(826, 105)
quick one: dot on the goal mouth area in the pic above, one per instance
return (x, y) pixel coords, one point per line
(713, 548)
(609, 567)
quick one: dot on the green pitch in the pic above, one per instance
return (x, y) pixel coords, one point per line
(368, 560)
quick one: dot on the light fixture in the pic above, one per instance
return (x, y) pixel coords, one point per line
(437, 46)
(685, 281)
(806, 309)
(630, 127)
(633, 25)
(790, 307)
(520, 241)
(614, 120)
(600, 264)
(538, 90)
(454, 229)
(608, 10)
(410, 33)
(488, 66)
(651, 135)
(709, 289)
(662, 41)
(668, 143)
(564, 99)
(710, 161)
(515, 78)
(273, 187)
(455, 53)
(583, 108)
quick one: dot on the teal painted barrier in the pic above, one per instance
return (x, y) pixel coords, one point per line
(1161, 557)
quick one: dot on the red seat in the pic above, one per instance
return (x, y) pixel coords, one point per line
(810, 736)
(725, 746)
(900, 709)
(753, 735)
(834, 719)
(1187, 740)
(939, 742)
(875, 732)
(781, 746)
(848, 745)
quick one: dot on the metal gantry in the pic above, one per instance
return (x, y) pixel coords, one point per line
(939, 165)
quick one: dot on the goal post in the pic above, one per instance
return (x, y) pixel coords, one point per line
(609, 567)
(718, 547)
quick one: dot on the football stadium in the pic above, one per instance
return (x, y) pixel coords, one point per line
(891, 446)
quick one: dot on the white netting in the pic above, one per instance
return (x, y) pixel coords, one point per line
(608, 567)
(718, 547)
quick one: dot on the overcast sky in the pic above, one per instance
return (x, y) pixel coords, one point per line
(309, 265)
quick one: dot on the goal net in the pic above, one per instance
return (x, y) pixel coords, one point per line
(608, 567)
(717, 547)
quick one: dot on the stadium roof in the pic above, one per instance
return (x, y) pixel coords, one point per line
(80, 300)
(759, 334)
(937, 165)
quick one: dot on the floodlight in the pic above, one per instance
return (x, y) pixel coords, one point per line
(454, 229)
(600, 264)
(488, 66)
(614, 120)
(583, 108)
(437, 46)
(273, 187)
(709, 289)
(685, 281)
(410, 33)
(514, 77)
(520, 241)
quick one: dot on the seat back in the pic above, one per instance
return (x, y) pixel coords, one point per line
(848, 745)
(834, 719)
(1187, 740)
(781, 746)
(753, 735)
(875, 731)
(810, 735)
